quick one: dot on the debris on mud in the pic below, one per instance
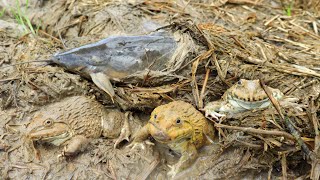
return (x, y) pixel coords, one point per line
(273, 41)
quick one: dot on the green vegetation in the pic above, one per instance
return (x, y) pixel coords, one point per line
(2, 12)
(288, 8)
(21, 17)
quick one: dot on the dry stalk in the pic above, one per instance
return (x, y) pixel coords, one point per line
(315, 170)
(194, 85)
(205, 82)
(256, 131)
(284, 166)
(290, 69)
(287, 121)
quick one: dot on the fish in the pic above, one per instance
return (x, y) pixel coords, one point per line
(147, 59)
(116, 57)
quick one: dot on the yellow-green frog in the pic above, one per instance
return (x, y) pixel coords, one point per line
(183, 128)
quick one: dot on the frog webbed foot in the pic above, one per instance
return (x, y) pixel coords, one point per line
(141, 145)
(188, 156)
(125, 131)
(173, 171)
(140, 138)
(214, 115)
(212, 110)
(75, 145)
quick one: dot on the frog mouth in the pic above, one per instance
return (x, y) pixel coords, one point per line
(263, 102)
(159, 135)
(249, 104)
(56, 136)
(176, 136)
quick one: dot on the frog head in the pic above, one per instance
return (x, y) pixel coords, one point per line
(47, 128)
(249, 94)
(171, 122)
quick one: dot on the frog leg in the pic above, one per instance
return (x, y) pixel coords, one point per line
(214, 115)
(75, 145)
(211, 110)
(103, 82)
(125, 131)
(189, 154)
(139, 137)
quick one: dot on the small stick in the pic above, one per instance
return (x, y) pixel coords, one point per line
(9, 79)
(205, 82)
(255, 146)
(256, 131)
(194, 85)
(49, 35)
(35, 61)
(315, 165)
(272, 19)
(284, 166)
(286, 120)
(149, 169)
(315, 27)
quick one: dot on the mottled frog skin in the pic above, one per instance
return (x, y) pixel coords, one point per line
(183, 128)
(74, 121)
(243, 96)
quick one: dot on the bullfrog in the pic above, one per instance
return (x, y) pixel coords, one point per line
(180, 126)
(243, 96)
(73, 121)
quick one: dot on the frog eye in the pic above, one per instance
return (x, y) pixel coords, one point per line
(178, 121)
(47, 122)
(240, 82)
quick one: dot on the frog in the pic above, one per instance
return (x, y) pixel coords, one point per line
(180, 126)
(245, 95)
(74, 121)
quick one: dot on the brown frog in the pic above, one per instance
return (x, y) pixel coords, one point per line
(243, 96)
(183, 128)
(74, 121)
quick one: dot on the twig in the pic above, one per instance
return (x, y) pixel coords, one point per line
(272, 19)
(284, 166)
(290, 68)
(315, 27)
(194, 84)
(27, 62)
(61, 40)
(215, 62)
(9, 79)
(305, 30)
(49, 35)
(256, 131)
(254, 146)
(205, 82)
(286, 120)
(149, 170)
(315, 170)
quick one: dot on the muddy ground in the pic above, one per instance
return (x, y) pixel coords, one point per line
(238, 39)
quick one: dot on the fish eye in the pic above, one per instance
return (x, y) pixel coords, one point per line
(239, 82)
(178, 121)
(155, 116)
(48, 122)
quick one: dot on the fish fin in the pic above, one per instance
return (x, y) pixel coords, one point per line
(103, 82)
